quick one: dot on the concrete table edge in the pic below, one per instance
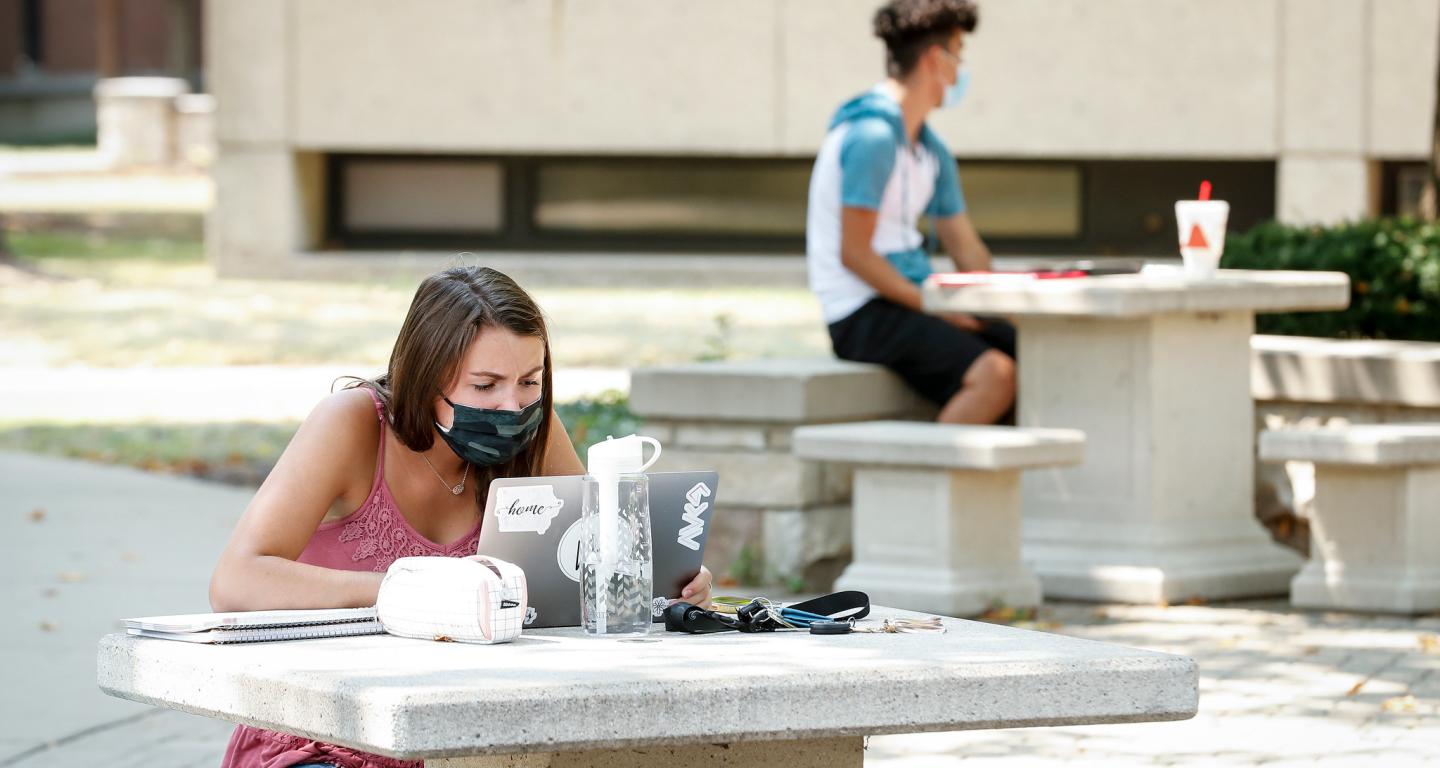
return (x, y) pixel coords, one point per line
(1125, 297)
(1123, 685)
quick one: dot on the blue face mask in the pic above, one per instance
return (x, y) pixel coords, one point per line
(956, 91)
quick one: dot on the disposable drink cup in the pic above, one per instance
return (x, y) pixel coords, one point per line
(1202, 235)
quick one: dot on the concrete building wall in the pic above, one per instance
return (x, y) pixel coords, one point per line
(1325, 88)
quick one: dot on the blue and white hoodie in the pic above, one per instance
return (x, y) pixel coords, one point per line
(866, 162)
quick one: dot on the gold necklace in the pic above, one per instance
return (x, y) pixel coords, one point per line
(455, 490)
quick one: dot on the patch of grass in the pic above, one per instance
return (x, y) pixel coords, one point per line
(158, 302)
(70, 246)
(748, 567)
(243, 453)
(240, 453)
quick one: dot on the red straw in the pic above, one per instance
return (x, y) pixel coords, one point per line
(1205, 190)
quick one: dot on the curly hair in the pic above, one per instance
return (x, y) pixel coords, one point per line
(910, 27)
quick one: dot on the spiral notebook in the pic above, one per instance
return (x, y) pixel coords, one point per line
(257, 626)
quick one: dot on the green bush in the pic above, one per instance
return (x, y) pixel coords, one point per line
(1394, 268)
(590, 420)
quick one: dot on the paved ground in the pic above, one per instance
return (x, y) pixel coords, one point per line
(87, 545)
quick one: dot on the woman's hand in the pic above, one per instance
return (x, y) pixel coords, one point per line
(697, 592)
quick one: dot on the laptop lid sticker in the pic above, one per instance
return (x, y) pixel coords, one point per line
(568, 553)
(695, 506)
(526, 508)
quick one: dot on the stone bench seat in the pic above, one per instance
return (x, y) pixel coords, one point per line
(779, 520)
(1375, 522)
(936, 508)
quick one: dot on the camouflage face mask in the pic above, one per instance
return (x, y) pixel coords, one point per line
(484, 437)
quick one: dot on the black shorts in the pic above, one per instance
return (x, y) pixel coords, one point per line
(929, 353)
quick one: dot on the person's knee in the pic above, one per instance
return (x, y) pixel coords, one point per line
(994, 372)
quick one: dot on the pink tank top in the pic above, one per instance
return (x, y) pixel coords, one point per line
(368, 539)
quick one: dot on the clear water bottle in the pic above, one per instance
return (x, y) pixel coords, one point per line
(616, 574)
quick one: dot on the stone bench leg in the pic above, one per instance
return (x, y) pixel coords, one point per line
(1375, 540)
(938, 540)
(839, 752)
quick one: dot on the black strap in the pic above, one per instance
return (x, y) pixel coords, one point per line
(684, 617)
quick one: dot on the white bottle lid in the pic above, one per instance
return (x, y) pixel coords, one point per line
(621, 456)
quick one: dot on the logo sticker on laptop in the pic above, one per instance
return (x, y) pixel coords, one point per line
(526, 508)
(695, 506)
(568, 553)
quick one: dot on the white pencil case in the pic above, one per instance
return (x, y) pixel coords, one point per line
(475, 599)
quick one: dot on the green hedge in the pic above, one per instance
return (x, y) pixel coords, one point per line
(1394, 268)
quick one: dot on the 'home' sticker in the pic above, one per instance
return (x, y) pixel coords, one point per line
(526, 508)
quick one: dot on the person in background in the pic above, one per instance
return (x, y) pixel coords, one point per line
(879, 169)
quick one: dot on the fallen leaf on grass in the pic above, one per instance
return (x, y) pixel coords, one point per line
(1404, 703)
(37, 515)
(1000, 613)
(1354, 689)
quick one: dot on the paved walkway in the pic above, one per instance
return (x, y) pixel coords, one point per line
(88, 545)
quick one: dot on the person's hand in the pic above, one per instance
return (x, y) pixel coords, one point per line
(965, 322)
(697, 592)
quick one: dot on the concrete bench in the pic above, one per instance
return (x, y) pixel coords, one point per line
(779, 520)
(937, 509)
(1375, 522)
(1307, 382)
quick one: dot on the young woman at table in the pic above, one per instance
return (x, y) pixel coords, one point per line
(879, 168)
(397, 467)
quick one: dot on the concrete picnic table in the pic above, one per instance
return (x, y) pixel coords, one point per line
(771, 699)
(1155, 369)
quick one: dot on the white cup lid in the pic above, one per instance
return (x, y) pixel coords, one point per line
(621, 456)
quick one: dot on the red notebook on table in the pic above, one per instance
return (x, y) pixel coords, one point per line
(954, 279)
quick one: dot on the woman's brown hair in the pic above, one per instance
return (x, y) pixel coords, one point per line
(450, 309)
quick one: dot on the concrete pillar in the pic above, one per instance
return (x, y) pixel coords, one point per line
(268, 197)
(1313, 189)
(1323, 176)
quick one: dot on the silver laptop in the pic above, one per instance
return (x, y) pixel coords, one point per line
(546, 544)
